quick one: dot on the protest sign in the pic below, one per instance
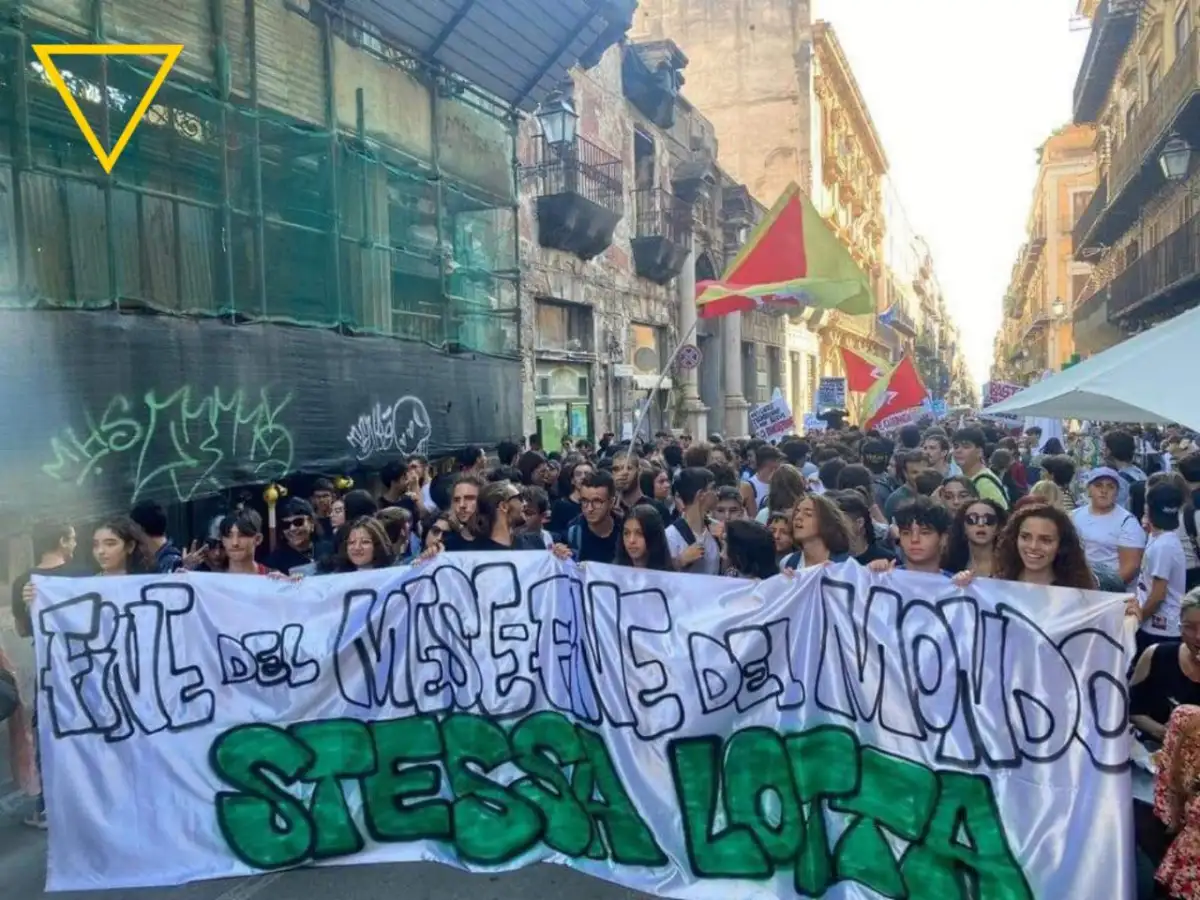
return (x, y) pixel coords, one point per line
(868, 736)
(812, 423)
(770, 421)
(904, 417)
(831, 394)
(996, 391)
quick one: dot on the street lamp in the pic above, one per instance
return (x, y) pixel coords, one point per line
(559, 120)
(1058, 309)
(1175, 158)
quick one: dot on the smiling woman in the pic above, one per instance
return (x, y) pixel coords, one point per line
(1041, 546)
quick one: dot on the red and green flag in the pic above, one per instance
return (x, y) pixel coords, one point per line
(862, 370)
(899, 391)
(791, 261)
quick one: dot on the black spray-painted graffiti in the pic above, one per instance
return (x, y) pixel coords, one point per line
(186, 443)
(403, 427)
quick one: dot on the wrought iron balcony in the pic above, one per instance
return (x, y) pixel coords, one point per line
(1164, 269)
(1112, 29)
(1154, 122)
(580, 194)
(902, 322)
(662, 234)
(1081, 233)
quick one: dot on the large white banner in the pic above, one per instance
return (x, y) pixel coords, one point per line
(839, 734)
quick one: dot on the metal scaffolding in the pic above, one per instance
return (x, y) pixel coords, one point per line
(295, 167)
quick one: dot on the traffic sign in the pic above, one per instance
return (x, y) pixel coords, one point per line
(689, 357)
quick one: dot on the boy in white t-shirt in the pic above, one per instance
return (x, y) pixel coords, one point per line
(1161, 582)
(1113, 540)
(693, 546)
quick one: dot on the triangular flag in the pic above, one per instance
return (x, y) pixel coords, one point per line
(47, 52)
(901, 390)
(791, 260)
(862, 370)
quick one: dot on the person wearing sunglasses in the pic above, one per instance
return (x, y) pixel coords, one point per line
(298, 525)
(973, 536)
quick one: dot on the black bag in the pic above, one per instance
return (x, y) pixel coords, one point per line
(10, 697)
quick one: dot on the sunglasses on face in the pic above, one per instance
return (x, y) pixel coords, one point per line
(988, 519)
(298, 522)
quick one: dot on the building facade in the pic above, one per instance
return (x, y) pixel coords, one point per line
(804, 122)
(1139, 85)
(848, 191)
(616, 228)
(305, 260)
(1048, 282)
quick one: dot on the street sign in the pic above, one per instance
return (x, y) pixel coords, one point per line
(620, 370)
(689, 357)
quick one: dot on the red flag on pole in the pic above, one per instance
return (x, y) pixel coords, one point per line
(862, 371)
(902, 391)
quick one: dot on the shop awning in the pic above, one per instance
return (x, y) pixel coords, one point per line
(516, 50)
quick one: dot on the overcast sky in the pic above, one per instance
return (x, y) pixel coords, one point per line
(962, 93)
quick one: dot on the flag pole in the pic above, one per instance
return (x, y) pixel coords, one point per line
(662, 376)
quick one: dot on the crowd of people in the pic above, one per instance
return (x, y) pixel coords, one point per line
(964, 503)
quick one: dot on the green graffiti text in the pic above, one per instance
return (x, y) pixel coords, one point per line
(771, 794)
(568, 796)
(185, 444)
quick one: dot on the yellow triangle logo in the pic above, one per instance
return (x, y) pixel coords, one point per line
(47, 52)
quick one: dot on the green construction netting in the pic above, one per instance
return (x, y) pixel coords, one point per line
(224, 209)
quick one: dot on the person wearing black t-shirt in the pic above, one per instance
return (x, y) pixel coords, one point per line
(593, 536)
(500, 511)
(300, 546)
(464, 504)
(53, 548)
(567, 509)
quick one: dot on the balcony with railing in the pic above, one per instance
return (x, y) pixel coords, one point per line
(580, 194)
(1160, 276)
(1113, 28)
(1081, 233)
(662, 234)
(1154, 122)
(902, 321)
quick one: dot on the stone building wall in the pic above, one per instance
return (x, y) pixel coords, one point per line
(750, 72)
(607, 284)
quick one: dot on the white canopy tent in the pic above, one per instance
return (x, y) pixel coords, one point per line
(1152, 378)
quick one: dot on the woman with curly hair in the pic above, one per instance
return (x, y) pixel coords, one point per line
(973, 535)
(1041, 546)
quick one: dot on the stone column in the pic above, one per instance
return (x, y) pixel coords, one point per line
(736, 407)
(695, 413)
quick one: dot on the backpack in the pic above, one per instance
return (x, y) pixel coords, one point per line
(989, 475)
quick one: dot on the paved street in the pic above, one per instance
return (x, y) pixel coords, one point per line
(23, 861)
